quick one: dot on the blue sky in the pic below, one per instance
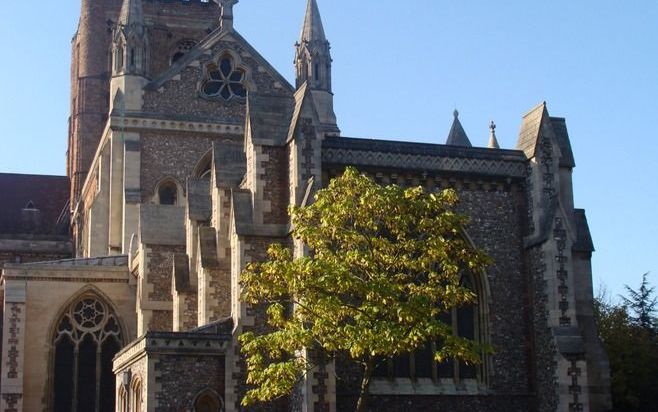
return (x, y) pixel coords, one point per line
(401, 68)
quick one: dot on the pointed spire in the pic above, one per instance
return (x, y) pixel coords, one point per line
(493, 141)
(457, 136)
(312, 30)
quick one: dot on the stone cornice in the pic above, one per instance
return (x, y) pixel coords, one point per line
(146, 122)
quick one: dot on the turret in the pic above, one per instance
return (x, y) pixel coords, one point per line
(313, 66)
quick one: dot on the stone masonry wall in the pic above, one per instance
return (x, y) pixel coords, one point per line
(182, 377)
(276, 190)
(158, 277)
(173, 155)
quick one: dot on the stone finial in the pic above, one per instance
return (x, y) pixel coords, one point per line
(456, 113)
(493, 141)
(226, 17)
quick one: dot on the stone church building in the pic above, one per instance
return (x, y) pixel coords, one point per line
(120, 282)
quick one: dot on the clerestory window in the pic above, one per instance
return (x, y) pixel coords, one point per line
(86, 340)
(224, 80)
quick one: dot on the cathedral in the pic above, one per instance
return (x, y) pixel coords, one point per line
(121, 282)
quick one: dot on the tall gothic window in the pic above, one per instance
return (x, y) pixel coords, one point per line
(465, 322)
(86, 340)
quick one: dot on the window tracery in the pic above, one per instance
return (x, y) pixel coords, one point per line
(224, 79)
(86, 339)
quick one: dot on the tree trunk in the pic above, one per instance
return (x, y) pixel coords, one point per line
(362, 405)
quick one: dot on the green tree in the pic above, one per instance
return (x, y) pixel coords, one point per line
(643, 304)
(382, 264)
(632, 350)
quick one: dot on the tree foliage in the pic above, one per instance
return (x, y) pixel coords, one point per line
(382, 264)
(629, 336)
(643, 304)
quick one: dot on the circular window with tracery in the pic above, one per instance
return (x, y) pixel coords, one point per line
(224, 79)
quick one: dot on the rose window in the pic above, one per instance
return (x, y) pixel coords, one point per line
(225, 80)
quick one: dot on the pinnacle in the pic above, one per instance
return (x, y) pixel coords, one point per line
(493, 141)
(312, 29)
(132, 13)
(457, 136)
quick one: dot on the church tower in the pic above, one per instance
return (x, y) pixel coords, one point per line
(313, 66)
(90, 71)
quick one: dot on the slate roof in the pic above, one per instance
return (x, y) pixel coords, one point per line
(47, 194)
(562, 135)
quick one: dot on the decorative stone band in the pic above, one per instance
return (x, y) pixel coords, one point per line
(144, 121)
(427, 157)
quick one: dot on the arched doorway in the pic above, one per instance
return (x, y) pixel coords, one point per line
(85, 340)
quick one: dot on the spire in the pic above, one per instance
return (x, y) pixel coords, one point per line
(493, 141)
(313, 56)
(313, 66)
(457, 136)
(312, 30)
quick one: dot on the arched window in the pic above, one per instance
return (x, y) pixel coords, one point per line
(122, 401)
(167, 193)
(86, 340)
(466, 322)
(208, 401)
(136, 395)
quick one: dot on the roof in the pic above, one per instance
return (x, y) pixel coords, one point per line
(270, 117)
(457, 135)
(530, 128)
(584, 241)
(562, 135)
(33, 204)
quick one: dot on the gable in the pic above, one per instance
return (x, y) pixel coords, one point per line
(180, 90)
